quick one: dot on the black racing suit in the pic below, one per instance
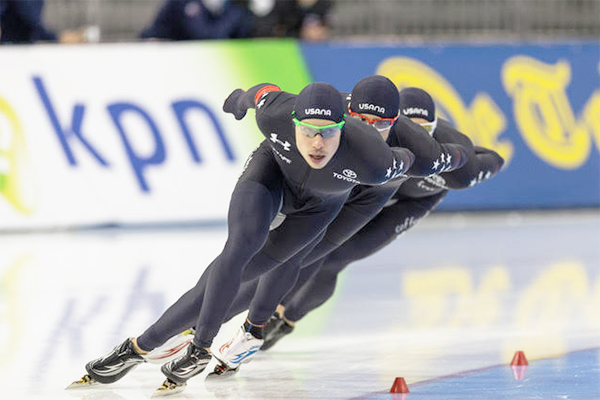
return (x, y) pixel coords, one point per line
(413, 200)
(364, 203)
(276, 178)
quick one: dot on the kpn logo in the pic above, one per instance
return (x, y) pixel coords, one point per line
(16, 183)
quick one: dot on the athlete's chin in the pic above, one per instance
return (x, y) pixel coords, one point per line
(317, 161)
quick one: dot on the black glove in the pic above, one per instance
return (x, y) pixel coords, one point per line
(232, 104)
(494, 160)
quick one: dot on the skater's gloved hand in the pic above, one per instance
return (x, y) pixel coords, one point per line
(232, 104)
(489, 158)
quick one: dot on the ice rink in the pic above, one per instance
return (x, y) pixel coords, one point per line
(445, 307)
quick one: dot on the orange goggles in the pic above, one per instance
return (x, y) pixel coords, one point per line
(381, 124)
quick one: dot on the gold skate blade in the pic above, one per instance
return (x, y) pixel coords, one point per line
(84, 382)
(168, 388)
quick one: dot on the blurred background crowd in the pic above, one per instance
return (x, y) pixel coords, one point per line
(79, 21)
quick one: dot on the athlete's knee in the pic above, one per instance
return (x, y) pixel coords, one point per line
(249, 225)
(247, 236)
(253, 200)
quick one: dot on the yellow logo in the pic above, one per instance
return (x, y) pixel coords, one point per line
(16, 185)
(544, 115)
(482, 121)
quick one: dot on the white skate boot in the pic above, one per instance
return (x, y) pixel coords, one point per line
(240, 349)
(173, 348)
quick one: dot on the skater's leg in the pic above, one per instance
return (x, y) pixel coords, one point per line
(296, 232)
(273, 285)
(258, 195)
(254, 203)
(362, 206)
(243, 299)
(248, 340)
(391, 222)
(317, 290)
(177, 318)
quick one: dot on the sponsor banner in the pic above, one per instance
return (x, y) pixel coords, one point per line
(129, 133)
(134, 133)
(536, 105)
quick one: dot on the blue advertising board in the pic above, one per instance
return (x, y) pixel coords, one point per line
(536, 105)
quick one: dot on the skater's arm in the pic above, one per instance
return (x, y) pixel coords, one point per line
(403, 159)
(482, 166)
(239, 101)
(431, 157)
(386, 164)
(489, 159)
(375, 161)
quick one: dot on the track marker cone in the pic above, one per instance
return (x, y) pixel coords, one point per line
(519, 359)
(519, 365)
(399, 386)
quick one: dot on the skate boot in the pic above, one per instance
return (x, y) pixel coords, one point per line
(276, 329)
(111, 367)
(181, 369)
(173, 348)
(240, 349)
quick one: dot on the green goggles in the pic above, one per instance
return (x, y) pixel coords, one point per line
(326, 131)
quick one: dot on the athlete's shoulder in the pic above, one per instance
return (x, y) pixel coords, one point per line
(445, 128)
(445, 132)
(276, 104)
(403, 121)
(358, 133)
(368, 153)
(363, 140)
(404, 126)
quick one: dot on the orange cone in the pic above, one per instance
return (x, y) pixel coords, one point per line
(519, 359)
(399, 386)
(519, 365)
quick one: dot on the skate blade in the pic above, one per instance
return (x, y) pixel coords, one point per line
(222, 371)
(84, 382)
(168, 388)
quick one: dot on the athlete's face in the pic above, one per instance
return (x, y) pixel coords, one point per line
(317, 151)
(428, 126)
(385, 133)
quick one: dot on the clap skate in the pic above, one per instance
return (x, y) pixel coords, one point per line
(111, 367)
(181, 369)
(84, 381)
(276, 329)
(168, 388)
(222, 371)
(240, 349)
(173, 348)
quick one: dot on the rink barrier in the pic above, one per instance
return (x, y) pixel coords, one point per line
(538, 106)
(116, 135)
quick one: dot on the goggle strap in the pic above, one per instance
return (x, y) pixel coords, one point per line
(336, 125)
(371, 121)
